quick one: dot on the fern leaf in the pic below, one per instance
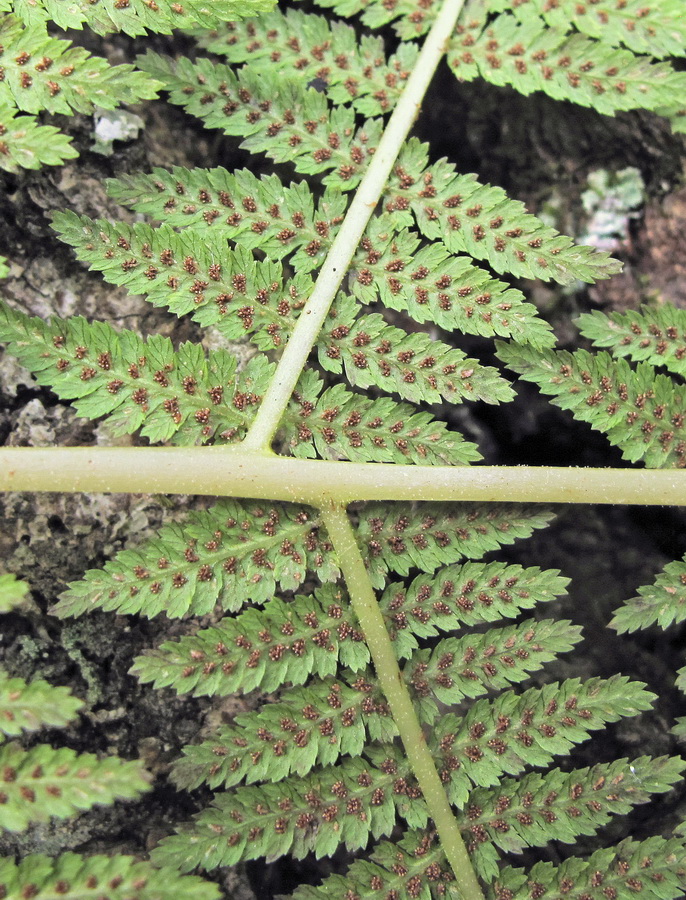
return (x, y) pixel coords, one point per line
(535, 809)
(531, 56)
(191, 273)
(348, 70)
(342, 804)
(657, 336)
(505, 735)
(402, 536)
(341, 425)
(657, 30)
(415, 366)
(640, 412)
(136, 17)
(414, 868)
(184, 394)
(258, 212)
(481, 220)
(4, 268)
(24, 144)
(40, 783)
(662, 603)
(458, 596)
(230, 554)
(12, 592)
(432, 285)
(28, 707)
(45, 73)
(277, 116)
(284, 642)
(73, 877)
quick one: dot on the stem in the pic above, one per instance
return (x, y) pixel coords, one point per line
(335, 266)
(367, 610)
(233, 472)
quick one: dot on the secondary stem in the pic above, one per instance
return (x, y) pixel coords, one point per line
(233, 472)
(367, 196)
(367, 610)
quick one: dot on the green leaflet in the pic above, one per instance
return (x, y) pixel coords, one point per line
(135, 16)
(45, 73)
(532, 810)
(640, 412)
(28, 707)
(652, 866)
(662, 603)
(655, 335)
(73, 877)
(505, 735)
(482, 221)
(12, 592)
(40, 783)
(24, 144)
(256, 212)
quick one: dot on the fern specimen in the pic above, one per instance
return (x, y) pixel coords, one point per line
(331, 770)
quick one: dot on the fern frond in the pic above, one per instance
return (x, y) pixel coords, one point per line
(12, 592)
(531, 56)
(259, 212)
(24, 144)
(655, 335)
(315, 725)
(653, 867)
(135, 17)
(338, 424)
(347, 69)
(74, 877)
(538, 808)
(467, 595)
(284, 642)
(342, 804)
(505, 735)
(184, 394)
(233, 553)
(46, 73)
(40, 783)
(277, 116)
(414, 868)
(640, 412)
(28, 707)
(432, 285)
(657, 30)
(481, 220)
(662, 603)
